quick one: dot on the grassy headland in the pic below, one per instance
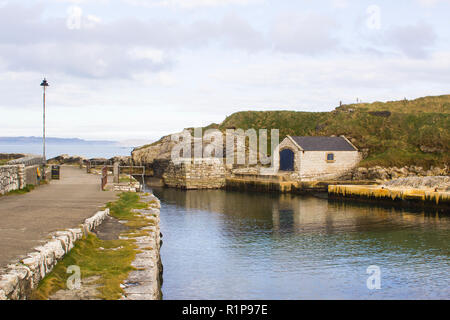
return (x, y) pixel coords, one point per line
(396, 133)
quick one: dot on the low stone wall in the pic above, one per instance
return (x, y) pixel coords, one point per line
(28, 160)
(15, 177)
(11, 178)
(18, 280)
(196, 174)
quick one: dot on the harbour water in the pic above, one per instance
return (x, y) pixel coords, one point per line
(228, 245)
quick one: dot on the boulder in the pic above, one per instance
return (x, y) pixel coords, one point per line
(122, 160)
(66, 159)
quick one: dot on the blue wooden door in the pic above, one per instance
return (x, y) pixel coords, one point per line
(287, 160)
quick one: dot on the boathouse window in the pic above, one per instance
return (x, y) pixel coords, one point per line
(330, 157)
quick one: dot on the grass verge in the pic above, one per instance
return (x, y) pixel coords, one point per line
(109, 259)
(26, 189)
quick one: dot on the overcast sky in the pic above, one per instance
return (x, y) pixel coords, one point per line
(140, 69)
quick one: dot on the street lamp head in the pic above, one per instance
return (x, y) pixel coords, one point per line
(44, 83)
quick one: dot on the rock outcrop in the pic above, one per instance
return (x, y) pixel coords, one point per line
(66, 159)
(438, 183)
(381, 173)
(159, 150)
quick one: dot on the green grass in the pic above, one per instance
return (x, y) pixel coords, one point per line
(126, 178)
(113, 266)
(26, 189)
(3, 161)
(432, 104)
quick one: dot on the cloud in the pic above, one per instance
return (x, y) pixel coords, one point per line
(190, 3)
(340, 3)
(413, 40)
(89, 47)
(79, 60)
(432, 3)
(305, 34)
(154, 55)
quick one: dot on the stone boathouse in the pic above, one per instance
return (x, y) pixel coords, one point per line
(316, 157)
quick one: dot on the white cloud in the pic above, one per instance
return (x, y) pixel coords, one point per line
(413, 40)
(152, 54)
(306, 34)
(340, 3)
(190, 3)
(432, 3)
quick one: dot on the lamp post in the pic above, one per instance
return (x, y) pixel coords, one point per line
(44, 84)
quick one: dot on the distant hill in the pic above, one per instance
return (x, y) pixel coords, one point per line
(50, 140)
(395, 133)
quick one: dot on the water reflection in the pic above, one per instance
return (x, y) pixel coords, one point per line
(250, 245)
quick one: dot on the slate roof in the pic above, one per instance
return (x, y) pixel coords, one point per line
(324, 144)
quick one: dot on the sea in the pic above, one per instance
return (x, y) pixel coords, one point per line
(55, 149)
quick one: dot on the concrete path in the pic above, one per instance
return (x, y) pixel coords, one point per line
(27, 220)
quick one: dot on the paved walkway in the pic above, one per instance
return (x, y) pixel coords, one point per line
(27, 220)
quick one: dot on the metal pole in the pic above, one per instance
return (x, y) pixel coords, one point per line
(45, 159)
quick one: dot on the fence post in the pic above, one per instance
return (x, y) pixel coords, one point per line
(116, 172)
(104, 177)
(21, 175)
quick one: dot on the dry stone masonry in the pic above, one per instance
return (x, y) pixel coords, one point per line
(11, 178)
(206, 173)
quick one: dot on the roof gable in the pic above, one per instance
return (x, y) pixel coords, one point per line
(324, 143)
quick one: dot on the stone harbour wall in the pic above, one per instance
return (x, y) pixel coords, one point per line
(145, 282)
(206, 173)
(18, 280)
(11, 178)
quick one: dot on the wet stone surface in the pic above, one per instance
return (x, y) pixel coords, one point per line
(110, 229)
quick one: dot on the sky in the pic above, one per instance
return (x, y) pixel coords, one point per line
(141, 69)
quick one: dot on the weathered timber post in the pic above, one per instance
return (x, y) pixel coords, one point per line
(116, 172)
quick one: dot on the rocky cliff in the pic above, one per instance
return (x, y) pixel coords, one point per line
(161, 149)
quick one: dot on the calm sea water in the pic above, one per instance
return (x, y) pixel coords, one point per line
(53, 150)
(228, 245)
